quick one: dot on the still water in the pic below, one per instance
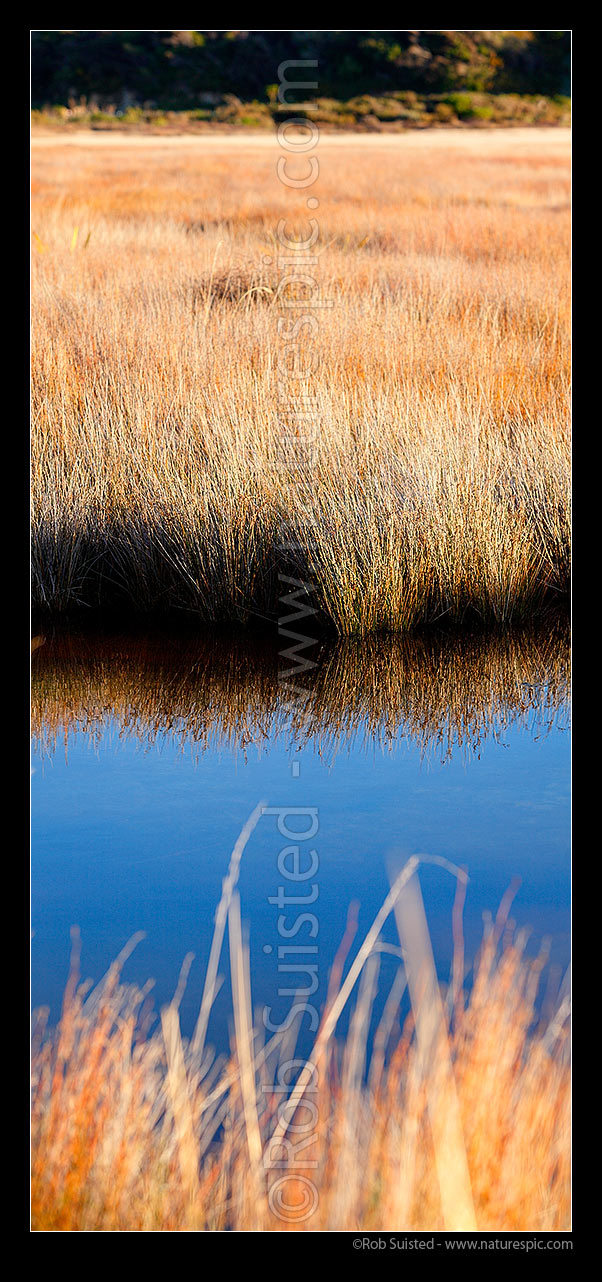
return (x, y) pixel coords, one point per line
(150, 752)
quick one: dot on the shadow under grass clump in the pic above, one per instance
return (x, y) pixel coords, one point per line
(162, 567)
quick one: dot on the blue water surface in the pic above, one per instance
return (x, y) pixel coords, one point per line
(130, 838)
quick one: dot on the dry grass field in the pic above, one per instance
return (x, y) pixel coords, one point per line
(170, 473)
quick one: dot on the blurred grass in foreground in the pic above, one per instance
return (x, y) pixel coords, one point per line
(457, 1117)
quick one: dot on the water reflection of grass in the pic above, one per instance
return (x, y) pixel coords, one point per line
(455, 1117)
(444, 691)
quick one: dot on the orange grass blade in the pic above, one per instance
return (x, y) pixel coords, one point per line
(434, 1050)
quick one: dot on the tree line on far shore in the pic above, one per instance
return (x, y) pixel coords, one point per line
(178, 70)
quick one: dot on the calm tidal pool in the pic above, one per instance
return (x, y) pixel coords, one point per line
(150, 752)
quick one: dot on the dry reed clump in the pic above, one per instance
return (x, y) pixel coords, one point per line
(454, 1118)
(166, 458)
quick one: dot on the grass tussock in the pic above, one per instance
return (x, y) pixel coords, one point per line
(453, 1115)
(433, 479)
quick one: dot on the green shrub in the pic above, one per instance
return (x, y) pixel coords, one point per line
(461, 103)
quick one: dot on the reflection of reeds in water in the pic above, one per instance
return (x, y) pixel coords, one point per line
(455, 1117)
(444, 691)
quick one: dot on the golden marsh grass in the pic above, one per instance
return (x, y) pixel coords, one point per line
(439, 378)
